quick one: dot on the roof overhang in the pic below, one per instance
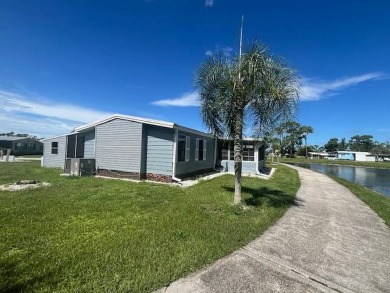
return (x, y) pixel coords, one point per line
(125, 117)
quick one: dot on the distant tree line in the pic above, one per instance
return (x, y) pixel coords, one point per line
(290, 139)
(358, 143)
(13, 134)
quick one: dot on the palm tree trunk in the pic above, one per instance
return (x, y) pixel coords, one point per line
(238, 160)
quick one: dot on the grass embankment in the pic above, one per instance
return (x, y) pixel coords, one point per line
(376, 201)
(382, 165)
(94, 235)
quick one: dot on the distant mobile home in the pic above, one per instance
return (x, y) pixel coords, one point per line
(354, 156)
(138, 148)
(21, 145)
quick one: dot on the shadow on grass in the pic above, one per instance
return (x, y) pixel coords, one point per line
(264, 195)
(9, 272)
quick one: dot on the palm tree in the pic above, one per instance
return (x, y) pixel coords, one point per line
(254, 86)
(305, 131)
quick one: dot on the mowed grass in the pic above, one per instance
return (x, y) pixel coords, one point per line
(376, 201)
(98, 235)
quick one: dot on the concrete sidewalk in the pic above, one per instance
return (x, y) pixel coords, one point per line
(329, 241)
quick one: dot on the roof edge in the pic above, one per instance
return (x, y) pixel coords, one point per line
(128, 118)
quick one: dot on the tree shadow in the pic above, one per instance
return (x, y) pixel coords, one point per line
(260, 196)
(9, 271)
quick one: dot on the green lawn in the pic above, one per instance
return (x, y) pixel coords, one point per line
(93, 235)
(383, 165)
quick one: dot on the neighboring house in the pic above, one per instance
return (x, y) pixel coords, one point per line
(21, 145)
(138, 148)
(353, 156)
(318, 155)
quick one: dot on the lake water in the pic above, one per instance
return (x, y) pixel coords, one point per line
(375, 179)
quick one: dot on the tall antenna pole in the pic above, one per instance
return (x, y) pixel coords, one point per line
(242, 24)
(239, 58)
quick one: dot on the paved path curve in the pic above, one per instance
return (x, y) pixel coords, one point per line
(330, 241)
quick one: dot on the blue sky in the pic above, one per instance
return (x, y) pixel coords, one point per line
(67, 63)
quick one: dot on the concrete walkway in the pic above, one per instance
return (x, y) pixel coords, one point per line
(329, 241)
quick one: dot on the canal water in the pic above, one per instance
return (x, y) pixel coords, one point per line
(375, 179)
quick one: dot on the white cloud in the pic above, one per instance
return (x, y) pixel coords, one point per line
(186, 100)
(317, 90)
(225, 51)
(22, 114)
(209, 3)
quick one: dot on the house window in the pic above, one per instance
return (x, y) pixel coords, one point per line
(54, 147)
(201, 147)
(183, 148)
(31, 146)
(20, 146)
(248, 152)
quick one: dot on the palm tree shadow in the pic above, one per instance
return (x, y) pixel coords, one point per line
(271, 197)
(9, 271)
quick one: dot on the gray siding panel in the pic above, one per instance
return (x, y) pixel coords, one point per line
(54, 160)
(193, 166)
(89, 145)
(118, 145)
(159, 150)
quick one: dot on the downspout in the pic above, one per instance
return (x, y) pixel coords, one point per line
(174, 156)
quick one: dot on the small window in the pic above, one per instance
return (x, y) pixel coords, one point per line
(54, 147)
(201, 147)
(183, 148)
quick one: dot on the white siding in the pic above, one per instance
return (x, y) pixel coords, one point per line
(54, 160)
(118, 145)
(89, 145)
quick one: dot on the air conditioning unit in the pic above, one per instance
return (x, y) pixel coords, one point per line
(81, 167)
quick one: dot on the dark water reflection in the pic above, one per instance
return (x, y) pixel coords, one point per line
(375, 179)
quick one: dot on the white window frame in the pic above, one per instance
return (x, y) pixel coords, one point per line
(187, 153)
(54, 150)
(197, 149)
(186, 148)
(204, 149)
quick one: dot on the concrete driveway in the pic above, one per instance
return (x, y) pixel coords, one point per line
(330, 241)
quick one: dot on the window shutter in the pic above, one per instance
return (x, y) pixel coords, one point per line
(204, 149)
(187, 148)
(197, 149)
